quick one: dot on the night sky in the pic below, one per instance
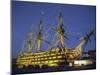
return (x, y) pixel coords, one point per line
(78, 20)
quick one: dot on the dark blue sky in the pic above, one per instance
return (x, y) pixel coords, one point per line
(78, 21)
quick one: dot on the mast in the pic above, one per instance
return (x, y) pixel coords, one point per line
(39, 36)
(30, 42)
(60, 30)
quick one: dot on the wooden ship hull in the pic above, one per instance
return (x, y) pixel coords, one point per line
(54, 57)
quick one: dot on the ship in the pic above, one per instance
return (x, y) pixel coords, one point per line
(54, 56)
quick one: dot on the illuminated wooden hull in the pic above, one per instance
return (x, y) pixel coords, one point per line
(54, 57)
